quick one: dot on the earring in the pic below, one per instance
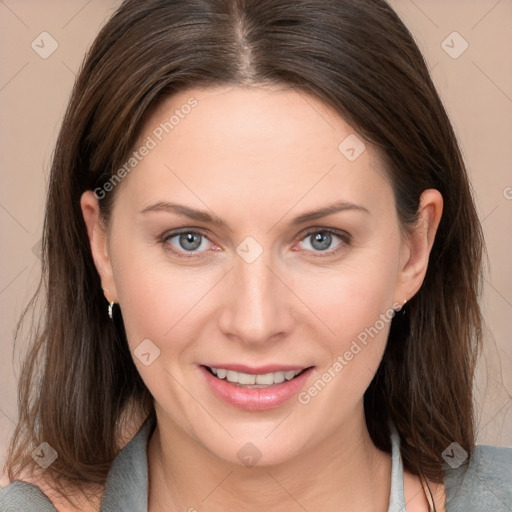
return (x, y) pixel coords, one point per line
(401, 309)
(111, 310)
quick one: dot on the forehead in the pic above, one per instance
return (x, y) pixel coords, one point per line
(267, 144)
(258, 116)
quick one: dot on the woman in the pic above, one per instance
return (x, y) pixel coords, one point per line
(262, 266)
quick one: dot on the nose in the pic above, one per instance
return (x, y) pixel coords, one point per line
(258, 306)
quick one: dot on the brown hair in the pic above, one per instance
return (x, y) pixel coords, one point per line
(79, 380)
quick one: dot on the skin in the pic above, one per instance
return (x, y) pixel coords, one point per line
(257, 158)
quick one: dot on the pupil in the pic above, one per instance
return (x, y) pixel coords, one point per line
(324, 239)
(188, 238)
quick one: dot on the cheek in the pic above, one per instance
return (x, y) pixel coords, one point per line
(356, 303)
(156, 301)
(353, 296)
(166, 308)
(162, 302)
(357, 307)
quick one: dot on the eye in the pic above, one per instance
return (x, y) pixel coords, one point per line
(183, 242)
(321, 241)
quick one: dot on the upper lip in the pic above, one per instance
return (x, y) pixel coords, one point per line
(257, 370)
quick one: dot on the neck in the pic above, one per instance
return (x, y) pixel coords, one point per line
(344, 472)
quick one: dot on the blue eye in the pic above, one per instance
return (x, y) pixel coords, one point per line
(190, 244)
(321, 241)
(186, 242)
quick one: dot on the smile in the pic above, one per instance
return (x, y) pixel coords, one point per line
(254, 381)
(255, 391)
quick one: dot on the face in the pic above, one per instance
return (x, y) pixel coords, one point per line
(216, 260)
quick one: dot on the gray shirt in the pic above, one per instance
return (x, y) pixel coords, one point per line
(482, 485)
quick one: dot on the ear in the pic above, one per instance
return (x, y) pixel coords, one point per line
(417, 246)
(98, 241)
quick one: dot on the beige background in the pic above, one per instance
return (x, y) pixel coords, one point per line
(476, 88)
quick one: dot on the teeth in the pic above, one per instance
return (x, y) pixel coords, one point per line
(247, 379)
(289, 375)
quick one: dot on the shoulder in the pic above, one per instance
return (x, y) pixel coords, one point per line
(35, 496)
(21, 496)
(126, 482)
(482, 484)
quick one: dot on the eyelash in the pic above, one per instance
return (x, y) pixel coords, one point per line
(343, 235)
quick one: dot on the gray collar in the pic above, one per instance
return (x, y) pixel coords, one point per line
(126, 489)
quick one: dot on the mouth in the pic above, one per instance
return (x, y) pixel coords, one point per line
(264, 388)
(254, 379)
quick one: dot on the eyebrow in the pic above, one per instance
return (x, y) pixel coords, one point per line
(339, 206)
(203, 216)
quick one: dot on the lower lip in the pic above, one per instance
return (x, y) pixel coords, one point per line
(256, 399)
